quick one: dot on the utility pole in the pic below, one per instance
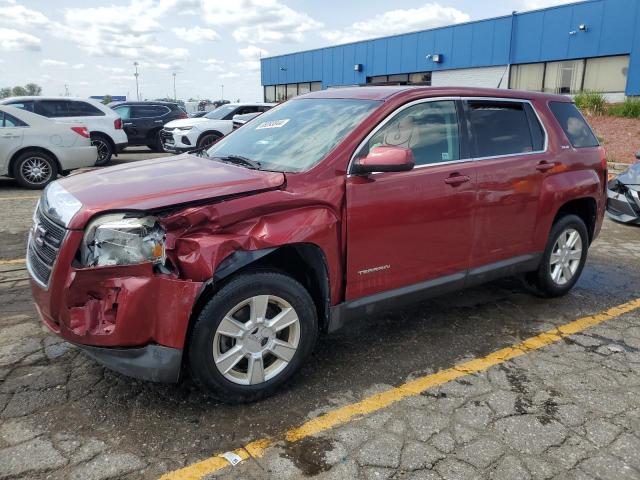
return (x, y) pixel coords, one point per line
(66, 90)
(175, 97)
(135, 64)
(222, 92)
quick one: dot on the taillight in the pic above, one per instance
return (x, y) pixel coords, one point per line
(183, 115)
(82, 131)
(117, 124)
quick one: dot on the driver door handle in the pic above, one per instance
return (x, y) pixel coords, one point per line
(543, 166)
(457, 179)
(10, 135)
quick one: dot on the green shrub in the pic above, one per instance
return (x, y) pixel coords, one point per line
(630, 108)
(591, 103)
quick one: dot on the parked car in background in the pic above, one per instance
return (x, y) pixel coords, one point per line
(334, 205)
(34, 149)
(191, 133)
(143, 121)
(104, 125)
(199, 114)
(240, 120)
(623, 196)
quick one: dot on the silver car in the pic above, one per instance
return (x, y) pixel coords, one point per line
(623, 196)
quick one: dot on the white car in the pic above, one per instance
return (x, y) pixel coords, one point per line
(105, 126)
(34, 149)
(201, 132)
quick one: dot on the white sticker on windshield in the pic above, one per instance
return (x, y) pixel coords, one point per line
(273, 124)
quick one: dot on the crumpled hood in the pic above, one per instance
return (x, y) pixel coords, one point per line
(631, 177)
(162, 182)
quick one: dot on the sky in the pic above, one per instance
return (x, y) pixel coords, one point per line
(88, 47)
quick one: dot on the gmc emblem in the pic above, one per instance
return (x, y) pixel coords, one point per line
(39, 234)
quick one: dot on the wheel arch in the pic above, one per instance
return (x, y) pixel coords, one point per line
(14, 157)
(305, 262)
(106, 136)
(585, 207)
(209, 132)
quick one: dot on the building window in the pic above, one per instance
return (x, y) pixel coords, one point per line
(270, 93)
(315, 86)
(304, 88)
(564, 77)
(419, 78)
(527, 77)
(292, 90)
(606, 74)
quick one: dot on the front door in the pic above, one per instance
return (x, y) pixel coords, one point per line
(404, 228)
(11, 134)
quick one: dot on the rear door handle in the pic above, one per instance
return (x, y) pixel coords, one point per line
(157, 121)
(457, 179)
(544, 166)
(10, 135)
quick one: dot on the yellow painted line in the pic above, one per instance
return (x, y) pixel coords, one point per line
(27, 197)
(15, 261)
(381, 400)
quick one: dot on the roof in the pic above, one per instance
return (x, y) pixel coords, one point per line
(143, 102)
(37, 97)
(385, 92)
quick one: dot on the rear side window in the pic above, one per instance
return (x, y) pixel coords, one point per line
(149, 111)
(53, 108)
(502, 128)
(574, 125)
(84, 109)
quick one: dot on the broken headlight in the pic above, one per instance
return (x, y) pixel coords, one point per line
(123, 239)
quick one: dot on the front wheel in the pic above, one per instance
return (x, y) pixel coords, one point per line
(252, 336)
(207, 140)
(563, 259)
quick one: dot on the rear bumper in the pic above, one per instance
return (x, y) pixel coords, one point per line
(77, 157)
(154, 363)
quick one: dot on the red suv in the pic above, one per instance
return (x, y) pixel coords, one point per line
(336, 204)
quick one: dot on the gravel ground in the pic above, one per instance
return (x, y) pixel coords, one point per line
(620, 136)
(569, 410)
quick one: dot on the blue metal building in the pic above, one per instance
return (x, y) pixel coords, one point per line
(590, 45)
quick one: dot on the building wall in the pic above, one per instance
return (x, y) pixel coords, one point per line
(538, 36)
(489, 77)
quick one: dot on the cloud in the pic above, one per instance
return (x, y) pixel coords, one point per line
(20, 16)
(110, 69)
(48, 62)
(78, 66)
(11, 39)
(228, 75)
(213, 65)
(259, 21)
(391, 22)
(195, 34)
(536, 4)
(252, 52)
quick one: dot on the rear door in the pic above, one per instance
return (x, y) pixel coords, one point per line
(406, 228)
(508, 143)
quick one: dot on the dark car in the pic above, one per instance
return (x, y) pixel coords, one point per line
(623, 196)
(143, 121)
(240, 120)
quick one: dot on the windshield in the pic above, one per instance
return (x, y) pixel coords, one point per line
(220, 112)
(296, 135)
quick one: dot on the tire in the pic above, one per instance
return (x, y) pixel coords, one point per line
(155, 143)
(220, 363)
(105, 150)
(208, 139)
(557, 279)
(35, 169)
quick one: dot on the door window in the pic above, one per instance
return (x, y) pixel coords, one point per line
(9, 121)
(429, 129)
(53, 108)
(124, 112)
(500, 128)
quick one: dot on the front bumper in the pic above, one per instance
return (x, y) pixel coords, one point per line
(153, 363)
(77, 157)
(177, 141)
(623, 207)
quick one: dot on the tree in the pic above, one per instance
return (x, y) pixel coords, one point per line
(19, 91)
(5, 92)
(107, 99)
(33, 89)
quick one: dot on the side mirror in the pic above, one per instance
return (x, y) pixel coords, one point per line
(385, 159)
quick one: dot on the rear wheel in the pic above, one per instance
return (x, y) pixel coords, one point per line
(105, 150)
(35, 169)
(563, 259)
(155, 142)
(208, 139)
(252, 336)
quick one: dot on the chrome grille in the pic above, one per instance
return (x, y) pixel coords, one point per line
(45, 240)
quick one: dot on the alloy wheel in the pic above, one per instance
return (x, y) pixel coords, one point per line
(104, 151)
(565, 256)
(36, 170)
(256, 340)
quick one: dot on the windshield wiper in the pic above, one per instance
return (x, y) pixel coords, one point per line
(240, 160)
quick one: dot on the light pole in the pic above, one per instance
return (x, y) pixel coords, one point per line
(175, 98)
(222, 92)
(135, 64)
